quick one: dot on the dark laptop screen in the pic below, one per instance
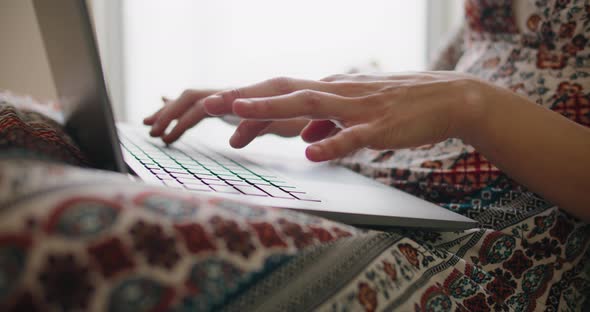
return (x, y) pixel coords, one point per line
(73, 57)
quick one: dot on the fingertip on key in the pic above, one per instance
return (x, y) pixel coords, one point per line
(314, 153)
(234, 141)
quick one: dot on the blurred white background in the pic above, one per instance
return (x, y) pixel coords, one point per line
(173, 45)
(151, 48)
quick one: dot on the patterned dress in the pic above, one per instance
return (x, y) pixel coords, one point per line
(528, 254)
(75, 239)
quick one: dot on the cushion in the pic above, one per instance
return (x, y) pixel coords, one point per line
(26, 131)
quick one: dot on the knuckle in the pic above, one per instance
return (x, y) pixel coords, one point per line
(310, 99)
(371, 100)
(264, 107)
(166, 113)
(187, 93)
(230, 95)
(332, 78)
(283, 85)
(355, 138)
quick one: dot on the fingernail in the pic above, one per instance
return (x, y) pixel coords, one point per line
(235, 138)
(214, 99)
(314, 152)
(155, 128)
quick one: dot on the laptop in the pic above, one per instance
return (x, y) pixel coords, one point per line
(202, 162)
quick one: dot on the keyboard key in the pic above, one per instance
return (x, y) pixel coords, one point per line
(275, 192)
(182, 175)
(202, 171)
(173, 183)
(247, 174)
(259, 182)
(231, 182)
(304, 196)
(250, 190)
(219, 183)
(192, 165)
(171, 168)
(256, 180)
(183, 159)
(283, 185)
(277, 182)
(166, 163)
(225, 189)
(164, 176)
(142, 157)
(191, 181)
(158, 157)
(232, 179)
(209, 179)
(194, 187)
(181, 170)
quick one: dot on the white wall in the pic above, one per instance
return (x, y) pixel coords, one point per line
(24, 67)
(176, 44)
(23, 63)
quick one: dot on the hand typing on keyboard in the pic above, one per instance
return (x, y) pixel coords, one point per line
(345, 112)
(188, 111)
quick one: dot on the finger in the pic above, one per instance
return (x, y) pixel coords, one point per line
(246, 131)
(174, 110)
(317, 130)
(286, 128)
(305, 103)
(193, 116)
(343, 143)
(221, 103)
(148, 121)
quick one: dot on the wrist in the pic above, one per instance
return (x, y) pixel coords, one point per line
(472, 110)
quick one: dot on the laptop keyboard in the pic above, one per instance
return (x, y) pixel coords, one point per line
(206, 172)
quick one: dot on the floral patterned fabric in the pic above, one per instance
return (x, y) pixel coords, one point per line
(517, 261)
(26, 131)
(75, 239)
(81, 239)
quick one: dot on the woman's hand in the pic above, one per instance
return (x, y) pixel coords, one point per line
(188, 111)
(379, 112)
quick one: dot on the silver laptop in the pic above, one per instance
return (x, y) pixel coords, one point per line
(202, 162)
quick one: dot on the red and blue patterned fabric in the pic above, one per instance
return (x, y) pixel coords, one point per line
(81, 239)
(522, 257)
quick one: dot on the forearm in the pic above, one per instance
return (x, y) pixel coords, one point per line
(537, 147)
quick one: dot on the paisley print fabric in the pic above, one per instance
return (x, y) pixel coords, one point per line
(76, 239)
(89, 240)
(31, 134)
(518, 250)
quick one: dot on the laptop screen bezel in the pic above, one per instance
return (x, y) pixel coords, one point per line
(71, 48)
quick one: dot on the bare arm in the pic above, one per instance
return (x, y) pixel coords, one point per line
(539, 148)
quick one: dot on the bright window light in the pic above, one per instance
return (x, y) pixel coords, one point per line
(176, 44)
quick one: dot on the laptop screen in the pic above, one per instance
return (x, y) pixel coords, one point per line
(72, 52)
